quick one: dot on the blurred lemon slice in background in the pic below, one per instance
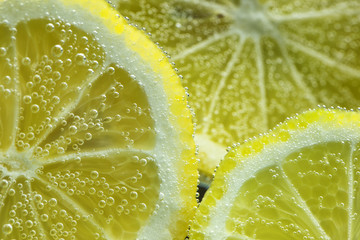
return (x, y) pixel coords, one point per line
(249, 64)
(95, 133)
(299, 181)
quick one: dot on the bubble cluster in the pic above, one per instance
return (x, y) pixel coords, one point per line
(309, 188)
(250, 64)
(70, 106)
(65, 105)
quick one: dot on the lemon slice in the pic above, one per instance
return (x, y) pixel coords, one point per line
(249, 64)
(299, 181)
(95, 133)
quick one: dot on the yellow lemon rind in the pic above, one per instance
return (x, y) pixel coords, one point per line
(178, 115)
(312, 127)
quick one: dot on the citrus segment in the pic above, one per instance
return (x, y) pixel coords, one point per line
(301, 186)
(8, 85)
(96, 136)
(302, 54)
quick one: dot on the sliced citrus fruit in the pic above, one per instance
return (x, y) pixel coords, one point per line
(95, 132)
(249, 64)
(299, 181)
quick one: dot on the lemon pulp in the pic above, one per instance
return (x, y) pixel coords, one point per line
(95, 135)
(300, 181)
(250, 64)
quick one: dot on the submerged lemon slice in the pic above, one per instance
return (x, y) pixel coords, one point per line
(299, 181)
(249, 64)
(95, 134)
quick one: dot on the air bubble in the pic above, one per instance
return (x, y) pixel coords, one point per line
(30, 136)
(80, 59)
(63, 213)
(123, 190)
(143, 162)
(63, 184)
(93, 113)
(116, 94)
(52, 202)
(29, 84)
(107, 119)
(124, 202)
(88, 136)
(35, 108)
(44, 217)
(7, 229)
(110, 201)
(118, 117)
(56, 75)
(92, 191)
(12, 213)
(142, 207)
(57, 50)
(119, 208)
(37, 198)
(133, 195)
(26, 61)
(24, 212)
(84, 40)
(7, 79)
(60, 150)
(29, 224)
(73, 129)
(94, 174)
(60, 226)
(37, 78)
(47, 69)
(50, 27)
(2, 51)
(64, 85)
(68, 62)
(12, 192)
(161, 196)
(4, 184)
(27, 99)
(102, 203)
(55, 99)
(111, 70)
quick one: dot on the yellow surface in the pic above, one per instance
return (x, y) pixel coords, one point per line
(303, 186)
(250, 64)
(95, 133)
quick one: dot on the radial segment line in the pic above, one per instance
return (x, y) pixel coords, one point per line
(241, 236)
(212, 5)
(225, 75)
(339, 9)
(37, 216)
(3, 197)
(84, 87)
(262, 86)
(303, 205)
(299, 80)
(325, 59)
(75, 206)
(200, 45)
(96, 154)
(17, 91)
(351, 190)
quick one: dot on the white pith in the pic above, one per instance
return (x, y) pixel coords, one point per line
(273, 154)
(167, 143)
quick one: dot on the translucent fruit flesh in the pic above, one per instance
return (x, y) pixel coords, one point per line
(250, 64)
(298, 182)
(83, 148)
